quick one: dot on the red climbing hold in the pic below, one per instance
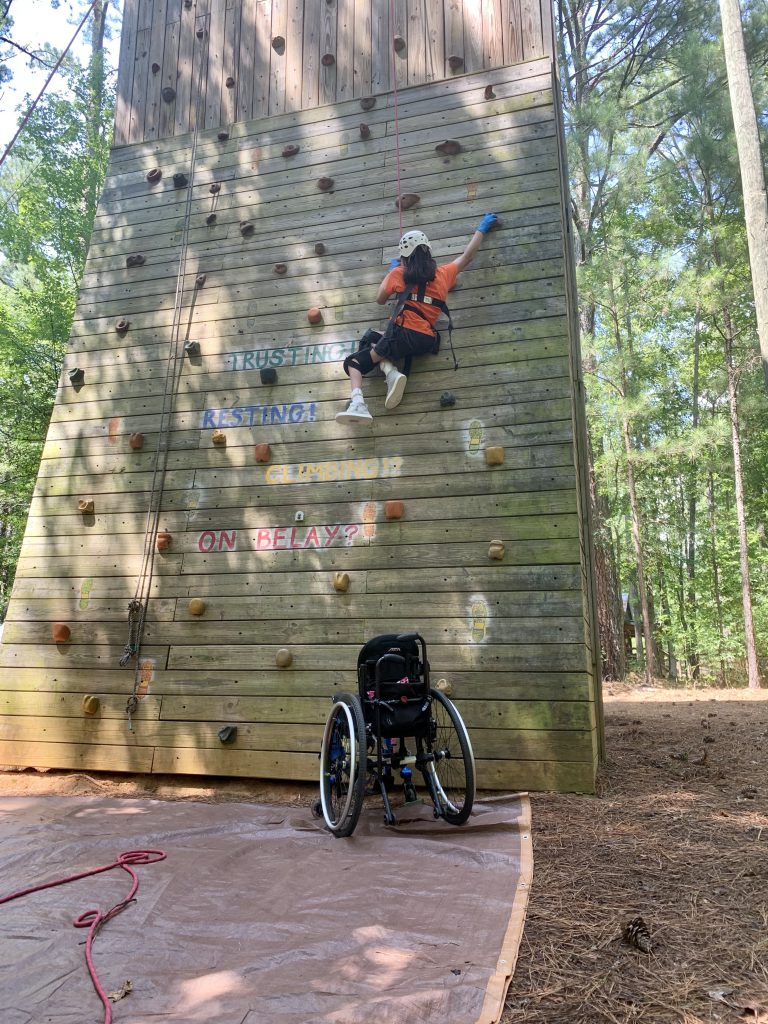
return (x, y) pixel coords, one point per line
(325, 184)
(315, 316)
(61, 633)
(407, 201)
(291, 150)
(163, 540)
(262, 452)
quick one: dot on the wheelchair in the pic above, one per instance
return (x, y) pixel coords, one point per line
(395, 724)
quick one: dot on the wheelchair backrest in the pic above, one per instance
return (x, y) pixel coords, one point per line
(403, 686)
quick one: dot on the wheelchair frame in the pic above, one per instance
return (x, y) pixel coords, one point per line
(353, 750)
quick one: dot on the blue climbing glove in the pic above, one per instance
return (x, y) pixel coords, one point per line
(488, 222)
(394, 263)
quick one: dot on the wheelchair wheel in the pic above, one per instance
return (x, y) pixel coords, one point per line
(450, 773)
(343, 765)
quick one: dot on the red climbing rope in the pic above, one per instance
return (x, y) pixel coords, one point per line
(397, 126)
(93, 920)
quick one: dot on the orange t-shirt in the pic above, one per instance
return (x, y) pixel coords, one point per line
(445, 279)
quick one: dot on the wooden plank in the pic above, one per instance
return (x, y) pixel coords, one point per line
(512, 31)
(294, 66)
(454, 32)
(417, 43)
(399, 27)
(215, 64)
(167, 111)
(328, 73)
(231, 69)
(139, 94)
(312, 53)
(262, 58)
(434, 17)
(345, 44)
(155, 78)
(381, 48)
(63, 705)
(88, 756)
(362, 67)
(531, 29)
(493, 34)
(182, 107)
(125, 76)
(277, 79)
(473, 37)
(200, 66)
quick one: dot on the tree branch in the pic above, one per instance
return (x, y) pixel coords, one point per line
(10, 42)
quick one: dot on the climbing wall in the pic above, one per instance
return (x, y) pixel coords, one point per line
(288, 540)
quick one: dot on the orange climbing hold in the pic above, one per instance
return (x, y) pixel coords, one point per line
(136, 441)
(219, 437)
(494, 456)
(91, 704)
(196, 606)
(315, 315)
(61, 633)
(163, 540)
(341, 582)
(394, 509)
(262, 452)
(85, 505)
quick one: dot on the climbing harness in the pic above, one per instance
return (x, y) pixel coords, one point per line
(137, 609)
(94, 920)
(409, 300)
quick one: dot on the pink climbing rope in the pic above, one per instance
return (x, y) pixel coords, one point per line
(93, 920)
(397, 126)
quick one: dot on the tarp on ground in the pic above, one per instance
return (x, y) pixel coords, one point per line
(258, 915)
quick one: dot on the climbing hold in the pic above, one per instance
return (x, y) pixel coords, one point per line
(496, 550)
(408, 201)
(447, 399)
(298, 517)
(230, 82)
(192, 348)
(280, 269)
(450, 148)
(122, 325)
(444, 687)
(188, 4)
(399, 44)
(368, 102)
(341, 582)
(291, 150)
(154, 175)
(168, 94)
(278, 44)
(85, 505)
(247, 228)
(489, 93)
(268, 375)
(163, 540)
(262, 452)
(320, 249)
(180, 180)
(219, 437)
(200, 280)
(61, 633)
(327, 60)
(455, 62)
(494, 456)
(210, 219)
(314, 315)
(76, 376)
(196, 606)
(155, 67)
(91, 704)
(283, 658)
(222, 136)
(325, 184)
(214, 187)
(200, 32)
(394, 509)
(136, 441)
(228, 734)
(137, 260)
(365, 131)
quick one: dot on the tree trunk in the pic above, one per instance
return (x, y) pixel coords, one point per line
(751, 165)
(690, 542)
(716, 573)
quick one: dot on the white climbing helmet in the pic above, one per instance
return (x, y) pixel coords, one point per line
(412, 240)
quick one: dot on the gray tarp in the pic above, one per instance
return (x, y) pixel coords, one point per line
(258, 916)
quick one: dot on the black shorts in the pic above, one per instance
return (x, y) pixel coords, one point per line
(400, 342)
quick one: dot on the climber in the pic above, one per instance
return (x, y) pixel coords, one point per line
(421, 288)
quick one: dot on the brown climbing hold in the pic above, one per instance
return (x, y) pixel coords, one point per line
(341, 582)
(219, 437)
(155, 67)
(368, 102)
(283, 658)
(280, 269)
(291, 150)
(91, 704)
(320, 249)
(399, 43)
(85, 505)
(196, 606)
(61, 633)
(325, 184)
(450, 148)
(327, 60)
(408, 201)
(315, 315)
(163, 540)
(494, 456)
(214, 187)
(278, 44)
(262, 452)
(136, 441)
(489, 93)
(168, 94)
(222, 136)
(137, 260)
(246, 228)
(230, 82)
(394, 509)
(444, 687)
(122, 325)
(200, 280)
(154, 175)
(365, 131)
(455, 62)
(210, 219)
(496, 550)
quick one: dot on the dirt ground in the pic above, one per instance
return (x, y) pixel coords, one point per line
(677, 834)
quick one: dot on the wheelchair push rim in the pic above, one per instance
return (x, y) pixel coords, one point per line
(342, 765)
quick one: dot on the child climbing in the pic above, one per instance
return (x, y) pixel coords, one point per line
(421, 288)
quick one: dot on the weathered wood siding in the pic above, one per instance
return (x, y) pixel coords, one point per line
(251, 58)
(512, 636)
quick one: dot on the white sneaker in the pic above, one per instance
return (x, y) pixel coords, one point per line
(395, 388)
(356, 412)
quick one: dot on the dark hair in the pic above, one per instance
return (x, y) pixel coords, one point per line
(420, 268)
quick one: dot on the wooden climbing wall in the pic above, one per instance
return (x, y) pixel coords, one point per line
(260, 543)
